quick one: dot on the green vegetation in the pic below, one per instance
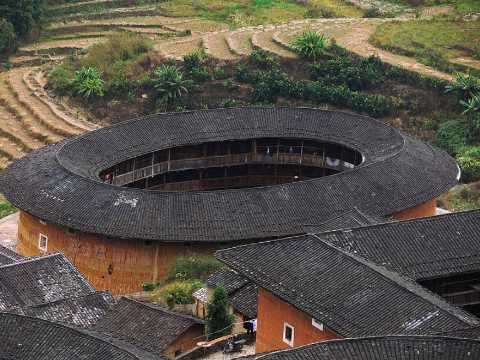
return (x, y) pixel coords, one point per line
(116, 67)
(219, 321)
(193, 267)
(87, 83)
(170, 85)
(469, 161)
(462, 197)
(432, 42)
(18, 20)
(310, 45)
(6, 209)
(177, 292)
(238, 13)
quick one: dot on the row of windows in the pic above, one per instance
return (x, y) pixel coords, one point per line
(267, 146)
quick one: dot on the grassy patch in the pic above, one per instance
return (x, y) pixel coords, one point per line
(6, 209)
(255, 12)
(462, 197)
(432, 42)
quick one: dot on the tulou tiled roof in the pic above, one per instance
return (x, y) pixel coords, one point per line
(24, 337)
(51, 288)
(352, 296)
(146, 326)
(382, 348)
(60, 183)
(421, 248)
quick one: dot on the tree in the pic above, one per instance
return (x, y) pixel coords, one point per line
(7, 36)
(24, 15)
(219, 320)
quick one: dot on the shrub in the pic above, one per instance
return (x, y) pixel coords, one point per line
(219, 73)
(469, 161)
(263, 60)
(219, 321)
(228, 103)
(193, 267)
(120, 85)
(6, 209)
(373, 105)
(451, 136)
(199, 74)
(310, 45)
(169, 83)
(194, 59)
(372, 13)
(88, 84)
(147, 286)
(342, 70)
(178, 292)
(242, 73)
(7, 36)
(228, 84)
(60, 79)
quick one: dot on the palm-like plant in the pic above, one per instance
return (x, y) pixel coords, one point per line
(169, 83)
(472, 104)
(310, 45)
(465, 85)
(88, 83)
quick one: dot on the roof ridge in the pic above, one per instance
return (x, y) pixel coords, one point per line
(411, 286)
(159, 308)
(407, 221)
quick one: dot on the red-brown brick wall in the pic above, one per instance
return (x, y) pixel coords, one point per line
(273, 313)
(131, 262)
(428, 208)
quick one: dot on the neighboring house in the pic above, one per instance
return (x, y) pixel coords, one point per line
(442, 253)
(50, 288)
(151, 328)
(26, 338)
(312, 291)
(8, 256)
(381, 348)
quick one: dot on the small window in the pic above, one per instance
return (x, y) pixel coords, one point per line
(288, 334)
(43, 242)
(317, 324)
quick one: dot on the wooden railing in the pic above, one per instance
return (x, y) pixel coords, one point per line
(230, 160)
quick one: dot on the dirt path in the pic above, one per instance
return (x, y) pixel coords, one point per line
(356, 40)
(8, 231)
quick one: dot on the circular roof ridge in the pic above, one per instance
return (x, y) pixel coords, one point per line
(60, 183)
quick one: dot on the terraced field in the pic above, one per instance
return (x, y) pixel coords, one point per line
(31, 118)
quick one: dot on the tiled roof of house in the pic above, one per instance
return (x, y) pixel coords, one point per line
(60, 183)
(8, 256)
(148, 327)
(420, 248)
(242, 293)
(382, 348)
(51, 288)
(230, 280)
(244, 300)
(350, 295)
(24, 337)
